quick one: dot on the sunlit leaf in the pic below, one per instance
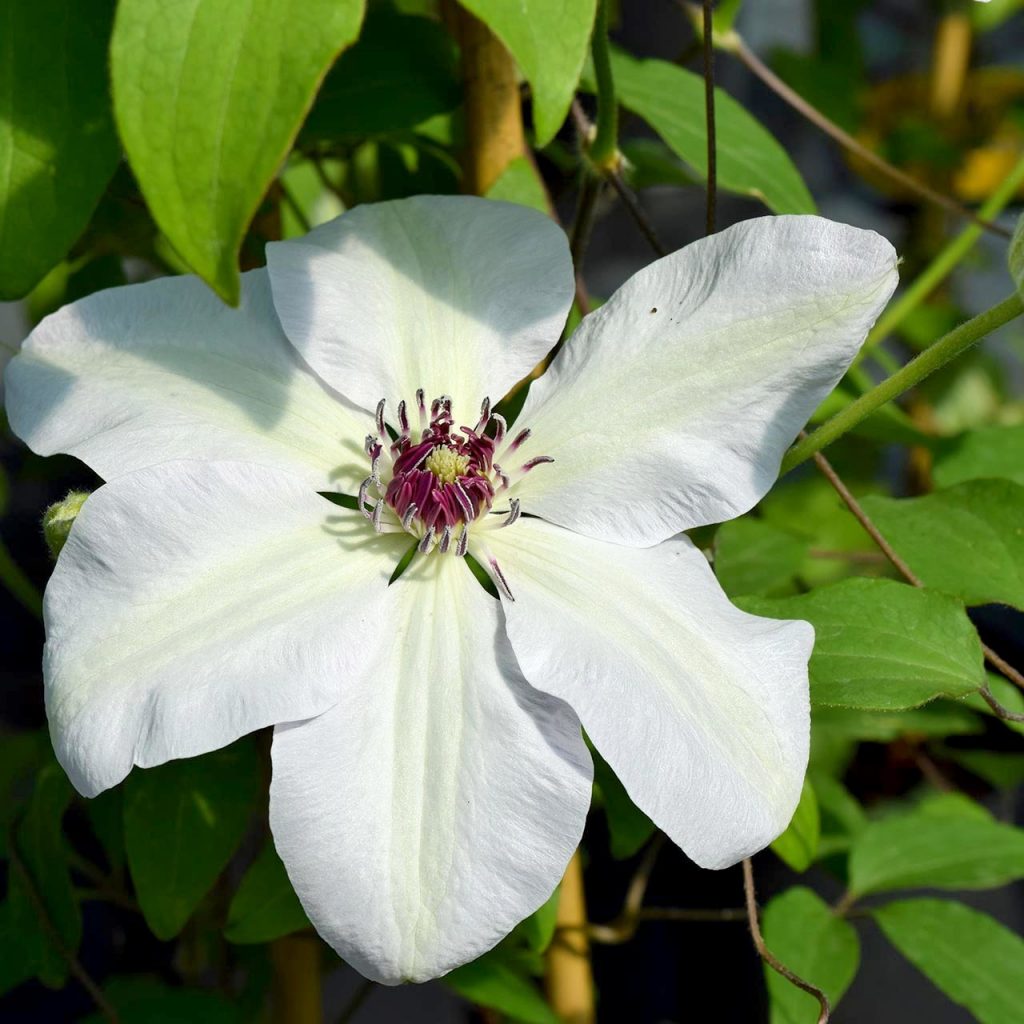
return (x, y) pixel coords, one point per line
(755, 557)
(967, 540)
(985, 452)
(209, 95)
(549, 42)
(972, 958)
(919, 849)
(882, 645)
(798, 845)
(801, 930)
(58, 147)
(749, 159)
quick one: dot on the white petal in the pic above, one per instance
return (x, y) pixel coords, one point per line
(150, 372)
(453, 294)
(673, 404)
(438, 803)
(701, 709)
(195, 602)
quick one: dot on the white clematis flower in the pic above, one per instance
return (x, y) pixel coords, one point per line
(430, 781)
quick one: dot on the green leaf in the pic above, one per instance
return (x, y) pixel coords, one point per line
(801, 930)
(841, 816)
(401, 72)
(183, 820)
(265, 905)
(650, 162)
(209, 96)
(520, 183)
(44, 857)
(1002, 771)
(19, 959)
(549, 42)
(985, 452)
(973, 959)
(967, 541)
(1015, 255)
(538, 929)
(142, 1000)
(798, 845)
(106, 815)
(755, 557)
(24, 754)
(58, 147)
(924, 849)
(750, 161)
(886, 726)
(882, 645)
(494, 981)
(630, 828)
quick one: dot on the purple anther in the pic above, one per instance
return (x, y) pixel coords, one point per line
(364, 496)
(500, 428)
(520, 439)
(445, 541)
(380, 418)
(425, 541)
(499, 579)
(378, 512)
(513, 513)
(462, 543)
(403, 418)
(539, 460)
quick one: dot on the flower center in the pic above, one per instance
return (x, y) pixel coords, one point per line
(446, 464)
(436, 483)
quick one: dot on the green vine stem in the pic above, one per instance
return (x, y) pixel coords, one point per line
(604, 148)
(945, 261)
(958, 341)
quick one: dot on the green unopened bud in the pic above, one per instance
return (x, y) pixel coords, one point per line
(1015, 256)
(59, 518)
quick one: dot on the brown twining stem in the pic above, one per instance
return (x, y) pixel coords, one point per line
(910, 576)
(999, 710)
(624, 926)
(613, 175)
(766, 954)
(709, 114)
(356, 1002)
(737, 46)
(636, 211)
(75, 967)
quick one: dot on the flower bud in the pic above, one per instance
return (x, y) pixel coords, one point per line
(59, 518)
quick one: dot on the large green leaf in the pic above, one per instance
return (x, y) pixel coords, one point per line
(265, 905)
(967, 540)
(520, 183)
(58, 147)
(986, 452)
(209, 95)
(548, 39)
(142, 1000)
(755, 557)
(749, 159)
(801, 930)
(628, 826)
(183, 820)
(798, 845)
(402, 71)
(882, 645)
(496, 982)
(44, 857)
(973, 959)
(926, 849)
